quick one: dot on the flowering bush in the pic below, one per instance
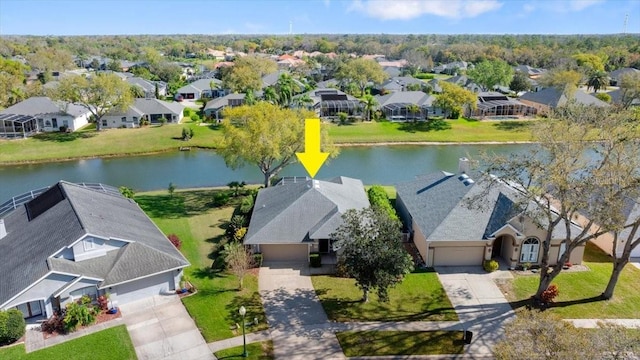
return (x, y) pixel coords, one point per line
(175, 240)
(550, 294)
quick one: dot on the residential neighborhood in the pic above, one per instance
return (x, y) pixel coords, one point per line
(220, 190)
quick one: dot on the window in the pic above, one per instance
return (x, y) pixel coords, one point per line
(65, 123)
(89, 244)
(135, 119)
(123, 119)
(55, 122)
(90, 291)
(104, 122)
(563, 249)
(48, 123)
(530, 250)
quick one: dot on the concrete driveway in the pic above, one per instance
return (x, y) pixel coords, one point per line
(161, 329)
(298, 323)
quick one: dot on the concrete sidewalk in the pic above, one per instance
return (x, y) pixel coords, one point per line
(479, 303)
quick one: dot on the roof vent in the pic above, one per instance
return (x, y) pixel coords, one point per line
(3, 230)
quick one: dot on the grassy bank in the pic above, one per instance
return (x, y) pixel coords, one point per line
(200, 223)
(88, 143)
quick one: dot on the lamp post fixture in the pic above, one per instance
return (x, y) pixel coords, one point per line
(243, 312)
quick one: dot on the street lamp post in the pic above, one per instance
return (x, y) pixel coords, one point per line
(243, 312)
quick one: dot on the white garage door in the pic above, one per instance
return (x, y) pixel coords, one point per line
(140, 289)
(289, 252)
(458, 256)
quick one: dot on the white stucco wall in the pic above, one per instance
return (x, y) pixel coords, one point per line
(82, 250)
(42, 291)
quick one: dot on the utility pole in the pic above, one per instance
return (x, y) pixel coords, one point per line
(624, 27)
(290, 27)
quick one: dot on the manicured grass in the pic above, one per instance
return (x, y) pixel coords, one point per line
(149, 139)
(113, 343)
(461, 130)
(372, 343)
(109, 142)
(579, 291)
(193, 216)
(420, 297)
(257, 351)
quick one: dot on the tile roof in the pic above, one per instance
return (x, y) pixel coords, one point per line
(297, 212)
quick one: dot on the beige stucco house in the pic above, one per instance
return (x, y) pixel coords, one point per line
(456, 221)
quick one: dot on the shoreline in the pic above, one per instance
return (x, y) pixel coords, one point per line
(347, 144)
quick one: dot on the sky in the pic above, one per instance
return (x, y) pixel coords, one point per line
(281, 17)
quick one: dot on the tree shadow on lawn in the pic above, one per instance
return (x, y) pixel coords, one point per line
(252, 303)
(425, 126)
(162, 206)
(511, 125)
(530, 303)
(64, 136)
(208, 273)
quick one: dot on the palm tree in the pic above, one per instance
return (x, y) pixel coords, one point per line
(413, 109)
(303, 101)
(369, 102)
(270, 95)
(598, 80)
(285, 87)
(137, 91)
(213, 86)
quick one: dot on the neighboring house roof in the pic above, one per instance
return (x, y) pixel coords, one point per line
(441, 206)
(41, 105)
(330, 83)
(617, 74)
(616, 97)
(65, 213)
(553, 97)
(406, 97)
(146, 85)
(198, 86)
(272, 79)
(298, 212)
(530, 71)
(142, 106)
(400, 82)
(392, 71)
(221, 102)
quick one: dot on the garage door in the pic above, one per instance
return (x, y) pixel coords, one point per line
(458, 256)
(143, 288)
(289, 252)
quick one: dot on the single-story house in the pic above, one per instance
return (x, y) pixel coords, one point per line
(214, 107)
(296, 216)
(271, 79)
(464, 82)
(40, 113)
(551, 98)
(399, 83)
(495, 105)
(150, 109)
(328, 102)
(616, 75)
(630, 212)
(531, 72)
(618, 97)
(200, 89)
(81, 239)
(396, 106)
(149, 87)
(448, 230)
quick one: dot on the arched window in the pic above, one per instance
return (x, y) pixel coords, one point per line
(530, 250)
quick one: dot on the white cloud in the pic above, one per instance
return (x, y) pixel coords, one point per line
(559, 6)
(411, 9)
(577, 5)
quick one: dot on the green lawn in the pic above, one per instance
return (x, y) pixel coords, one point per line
(378, 343)
(193, 217)
(579, 291)
(420, 297)
(113, 343)
(257, 351)
(150, 139)
(461, 130)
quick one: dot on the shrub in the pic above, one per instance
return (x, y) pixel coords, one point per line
(424, 76)
(236, 223)
(490, 265)
(604, 97)
(315, 260)
(194, 117)
(54, 324)
(78, 314)
(550, 294)
(103, 301)
(378, 198)
(12, 326)
(221, 199)
(246, 205)
(175, 240)
(239, 234)
(257, 260)
(126, 192)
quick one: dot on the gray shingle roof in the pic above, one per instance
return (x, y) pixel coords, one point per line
(40, 105)
(553, 97)
(24, 252)
(223, 101)
(151, 106)
(447, 209)
(301, 211)
(406, 97)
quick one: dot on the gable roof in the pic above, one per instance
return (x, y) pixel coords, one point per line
(145, 84)
(147, 106)
(617, 74)
(400, 82)
(223, 101)
(198, 85)
(297, 212)
(66, 213)
(553, 97)
(42, 105)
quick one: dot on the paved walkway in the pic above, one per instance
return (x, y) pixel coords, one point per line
(298, 324)
(161, 329)
(479, 303)
(35, 341)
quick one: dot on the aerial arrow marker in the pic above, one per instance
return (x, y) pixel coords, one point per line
(312, 159)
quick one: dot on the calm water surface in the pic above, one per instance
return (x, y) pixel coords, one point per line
(200, 168)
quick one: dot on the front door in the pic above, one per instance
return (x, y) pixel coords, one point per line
(496, 250)
(324, 246)
(530, 250)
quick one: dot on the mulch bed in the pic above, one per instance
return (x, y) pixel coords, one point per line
(102, 317)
